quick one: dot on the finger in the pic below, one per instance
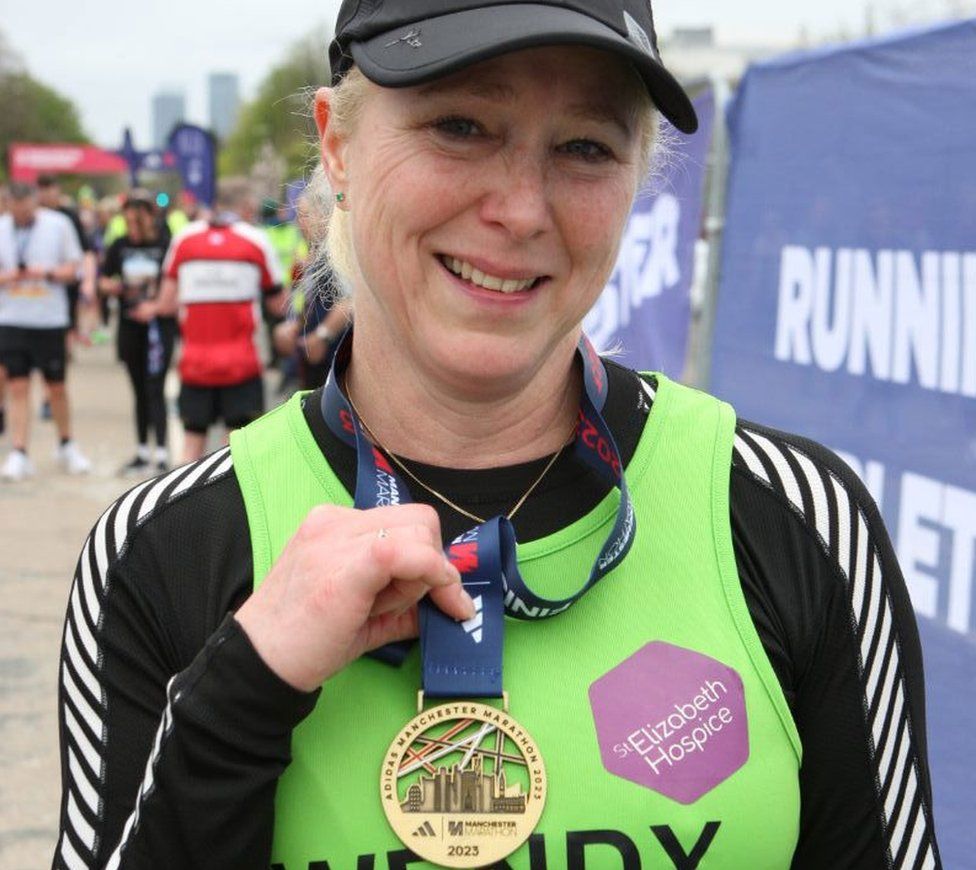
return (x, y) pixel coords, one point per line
(327, 525)
(403, 593)
(390, 628)
(398, 596)
(355, 521)
(413, 569)
(413, 532)
(454, 601)
(403, 558)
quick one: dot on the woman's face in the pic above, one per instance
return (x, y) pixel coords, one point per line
(486, 207)
(138, 224)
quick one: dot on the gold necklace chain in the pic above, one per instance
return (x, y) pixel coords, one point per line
(440, 495)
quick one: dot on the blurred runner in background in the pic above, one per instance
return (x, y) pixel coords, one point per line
(319, 312)
(176, 218)
(39, 255)
(288, 245)
(131, 273)
(218, 273)
(81, 293)
(106, 210)
(285, 238)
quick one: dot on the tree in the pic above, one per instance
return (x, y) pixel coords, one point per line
(280, 113)
(32, 112)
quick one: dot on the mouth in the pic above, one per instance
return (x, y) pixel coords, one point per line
(467, 272)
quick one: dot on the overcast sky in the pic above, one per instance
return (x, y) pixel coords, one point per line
(111, 57)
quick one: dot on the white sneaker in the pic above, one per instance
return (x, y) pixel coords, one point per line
(17, 466)
(72, 459)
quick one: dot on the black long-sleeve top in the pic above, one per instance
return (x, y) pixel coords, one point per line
(174, 732)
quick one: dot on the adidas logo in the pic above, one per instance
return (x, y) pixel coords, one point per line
(425, 830)
(473, 626)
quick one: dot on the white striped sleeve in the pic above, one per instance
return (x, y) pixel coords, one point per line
(825, 502)
(83, 702)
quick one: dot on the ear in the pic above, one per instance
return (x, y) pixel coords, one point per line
(331, 146)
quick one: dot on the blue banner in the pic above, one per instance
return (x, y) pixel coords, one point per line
(151, 161)
(196, 158)
(645, 310)
(847, 312)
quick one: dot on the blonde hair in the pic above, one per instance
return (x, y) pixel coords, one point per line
(317, 205)
(319, 276)
(345, 108)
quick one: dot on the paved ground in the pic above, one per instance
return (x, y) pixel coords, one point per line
(43, 523)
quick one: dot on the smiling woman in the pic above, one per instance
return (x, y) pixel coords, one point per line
(498, 168)
(637, 614)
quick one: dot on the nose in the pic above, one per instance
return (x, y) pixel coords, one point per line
(518, 199)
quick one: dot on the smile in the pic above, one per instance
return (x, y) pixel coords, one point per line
(465, 270)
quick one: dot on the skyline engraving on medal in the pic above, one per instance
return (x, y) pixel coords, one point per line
(463, 784)
(464, 790)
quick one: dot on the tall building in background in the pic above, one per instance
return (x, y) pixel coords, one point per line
(168, 109)
(223, 94)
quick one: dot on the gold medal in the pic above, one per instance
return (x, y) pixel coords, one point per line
(463, 784)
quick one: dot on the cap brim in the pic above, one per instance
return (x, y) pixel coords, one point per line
(420, 52)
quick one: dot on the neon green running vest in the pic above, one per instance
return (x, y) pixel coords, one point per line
(665, 734)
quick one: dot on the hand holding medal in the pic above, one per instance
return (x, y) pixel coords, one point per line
(346, 583)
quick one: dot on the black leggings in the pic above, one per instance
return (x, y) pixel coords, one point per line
(150, 404)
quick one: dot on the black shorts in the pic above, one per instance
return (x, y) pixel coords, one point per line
(23, 349)
(236, 405)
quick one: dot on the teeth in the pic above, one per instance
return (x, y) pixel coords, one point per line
(489, 282)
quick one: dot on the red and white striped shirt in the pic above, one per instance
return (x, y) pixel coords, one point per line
(221, 270)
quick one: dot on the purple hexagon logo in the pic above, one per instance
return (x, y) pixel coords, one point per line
(672, 720)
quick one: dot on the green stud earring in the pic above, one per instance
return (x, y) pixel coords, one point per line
(340, 197)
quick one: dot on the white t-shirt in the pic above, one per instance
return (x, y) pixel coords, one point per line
(49, 242)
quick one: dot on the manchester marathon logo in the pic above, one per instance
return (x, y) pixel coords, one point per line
(387, 491)
(463, 784)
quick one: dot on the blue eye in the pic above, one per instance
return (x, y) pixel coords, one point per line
(457, 127)
(586, 149)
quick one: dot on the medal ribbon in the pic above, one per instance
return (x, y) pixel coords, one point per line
(464, 659)
(22, 239)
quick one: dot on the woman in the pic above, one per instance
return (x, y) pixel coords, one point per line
(131, 272)
(484, 160)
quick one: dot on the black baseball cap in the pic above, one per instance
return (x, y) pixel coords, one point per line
(407, 42)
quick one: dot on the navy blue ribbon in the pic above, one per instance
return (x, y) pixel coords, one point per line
(464, 659)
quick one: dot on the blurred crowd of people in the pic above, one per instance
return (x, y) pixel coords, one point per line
(225, 288)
